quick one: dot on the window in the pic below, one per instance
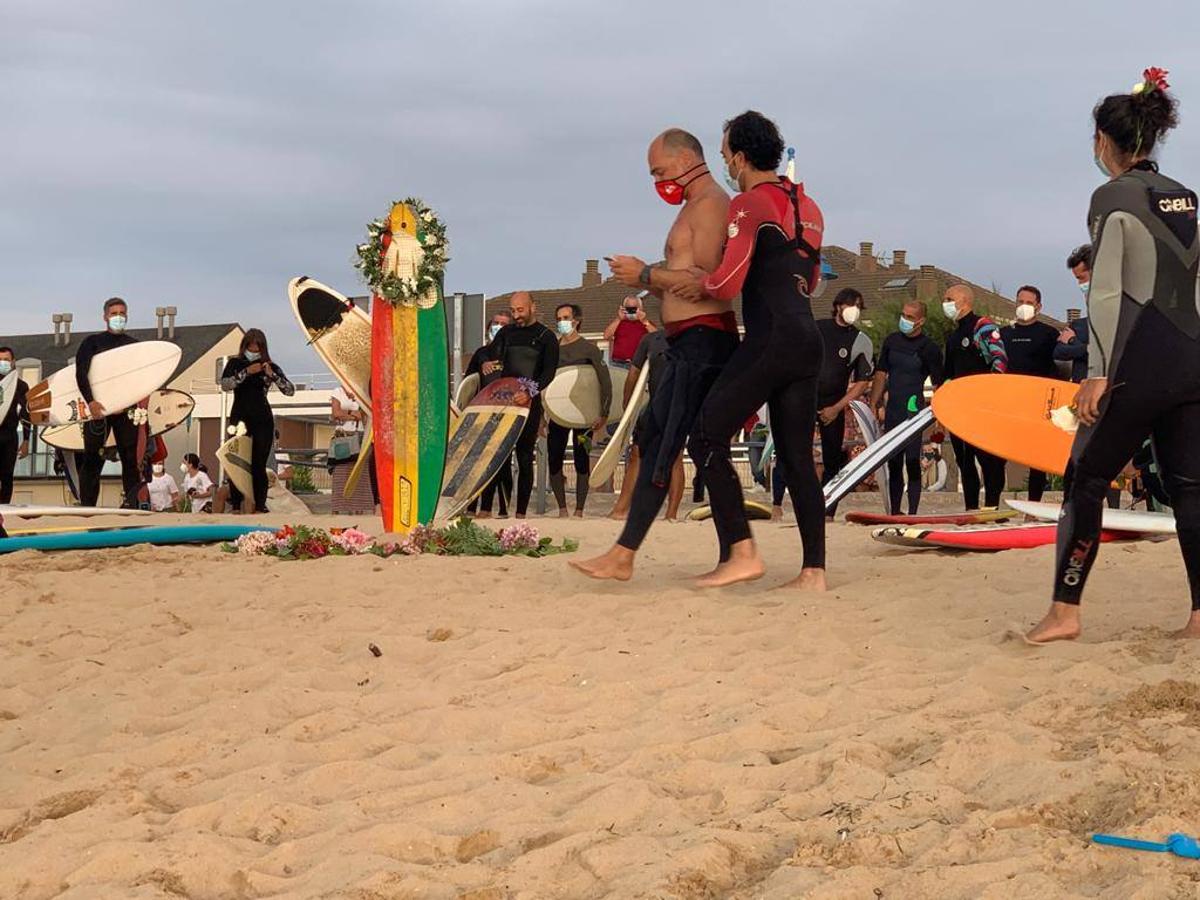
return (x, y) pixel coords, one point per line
(897, 283)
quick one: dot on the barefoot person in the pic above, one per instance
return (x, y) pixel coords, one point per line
(773, 259)
(701, 334)
(575, 350)
(1144, 359)
(973, 348)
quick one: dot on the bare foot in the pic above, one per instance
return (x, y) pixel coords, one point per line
(616, 564)
(618, 515)
(562, 513)
(776, 513)
(579, 513)
(1061, 623)
(520, 515)
(744, 564)
(807, 580)
(483, 514)
(1192, 628)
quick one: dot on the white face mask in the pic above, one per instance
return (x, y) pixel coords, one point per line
(950, 309)
(159, 468)
(1026, 312)
(850, 314)
(183, 468)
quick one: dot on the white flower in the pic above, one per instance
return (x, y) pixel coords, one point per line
(1064, 417)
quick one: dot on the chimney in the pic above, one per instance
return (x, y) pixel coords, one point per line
(1074, 314)
(900, 260)
(866, 261)
(591, 274)
(57, 320)
(67, 319)
(159, 312)
(171, 322)
(927, 286)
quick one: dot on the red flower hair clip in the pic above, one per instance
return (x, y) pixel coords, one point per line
(1153, 78)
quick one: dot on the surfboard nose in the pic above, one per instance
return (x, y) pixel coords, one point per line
(403, 220)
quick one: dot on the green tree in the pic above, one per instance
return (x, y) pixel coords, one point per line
(885, 319)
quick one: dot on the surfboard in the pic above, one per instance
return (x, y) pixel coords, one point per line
(572, 398)
(32, 511)
(410, 389)
(869, 426)
(127, 537)
(338, 331)
(119, 378)
(1009, 416)
(467, 389)
(974, 517)
(616, 408)
(874, 456)
(482, 441)
(987, 538)
(167, 408)
(611, 455)
(754, 511)
(8, 392)
(234, 456)
(1115, 519)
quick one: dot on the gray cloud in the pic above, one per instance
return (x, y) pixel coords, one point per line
(202, 154)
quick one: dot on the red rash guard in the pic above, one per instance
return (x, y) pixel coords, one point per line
(766, 204)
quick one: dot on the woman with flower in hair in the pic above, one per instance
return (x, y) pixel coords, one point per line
(1144, 358)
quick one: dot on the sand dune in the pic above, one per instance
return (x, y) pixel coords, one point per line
(180, 723)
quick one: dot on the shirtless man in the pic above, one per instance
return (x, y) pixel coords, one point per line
(701, 334)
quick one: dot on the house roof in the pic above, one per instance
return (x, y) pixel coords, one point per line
(877, 283)
(193, 340)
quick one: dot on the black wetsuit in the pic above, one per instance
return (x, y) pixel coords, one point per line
(964, 357)
(525, 351)
(1145, 339)
(773, 257)
(580, 352)
(1031, 351)
(847, 359)
(18, 413)
(908, 362)
(95, 431)
(252, 409)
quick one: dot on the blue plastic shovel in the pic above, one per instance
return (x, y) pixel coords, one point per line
(1179, 844)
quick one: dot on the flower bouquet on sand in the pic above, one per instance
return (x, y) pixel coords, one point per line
(462, 538)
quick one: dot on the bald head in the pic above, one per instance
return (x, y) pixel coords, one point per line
(914, 311)
(674, 153)
(962, 297)
(676, 140)
(522, 308)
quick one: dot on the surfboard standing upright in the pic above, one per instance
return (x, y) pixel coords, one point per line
(403, 262)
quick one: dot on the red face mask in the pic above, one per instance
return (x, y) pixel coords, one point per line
(671, 189)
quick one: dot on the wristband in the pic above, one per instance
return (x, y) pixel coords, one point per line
(644, 277)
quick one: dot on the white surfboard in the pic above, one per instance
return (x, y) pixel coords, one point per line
(572, 398)
(234, 456)
(876, 455)
(869, 426)
(617, 376)
(120, 378)
(338, 330)
(8, 392)
(32, 512)
(615, 448)
(1114, 519)
(167, 408)
(467, 389)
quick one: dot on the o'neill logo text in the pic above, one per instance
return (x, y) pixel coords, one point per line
(1183, 204)
(1073, 577)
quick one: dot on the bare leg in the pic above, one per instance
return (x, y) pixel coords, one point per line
(675, 491)
(621, 510)
(616, 564)
(1061, 623)
(744, 564)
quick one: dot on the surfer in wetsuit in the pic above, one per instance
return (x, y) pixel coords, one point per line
(773, 258)
(97, 427)
(10, 448)
(525, 349)
(1144, 359)
(701, 333)
(575, 350)
(250, 375)
(973, 348)
(844, 377)
(1073, 340)
(1030, 345)
(907, 359)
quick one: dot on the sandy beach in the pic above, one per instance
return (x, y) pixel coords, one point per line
(223, 730)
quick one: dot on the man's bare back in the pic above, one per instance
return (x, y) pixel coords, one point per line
(697, 238)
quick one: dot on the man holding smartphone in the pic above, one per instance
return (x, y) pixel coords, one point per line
(626, 331)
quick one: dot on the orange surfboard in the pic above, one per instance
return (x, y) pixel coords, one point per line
(1009, 416)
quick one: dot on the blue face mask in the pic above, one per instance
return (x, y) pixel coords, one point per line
(906, 327)
(253, 355)
(565, 327)
(116, 323)
(5, 366)
(493, 330)
(1084, 287)
(732, 180)
(1102, 167)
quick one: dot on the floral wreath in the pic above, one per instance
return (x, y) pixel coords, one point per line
(431, 232)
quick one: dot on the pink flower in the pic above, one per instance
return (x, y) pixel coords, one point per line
(255, 543)
(353, 540)
(522, 536)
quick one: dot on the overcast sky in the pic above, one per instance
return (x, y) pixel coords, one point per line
(200, 154)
